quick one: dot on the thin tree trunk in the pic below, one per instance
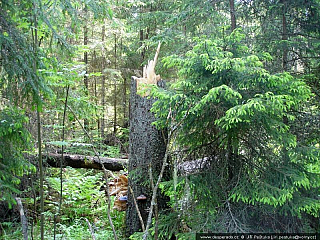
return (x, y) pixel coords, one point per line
(153, 203)
(91, 230)
(85, 59)
(125, 120)
(34, 216)
(62, 147)
(94, 87)
(41, 174)
(285, 63)
(284, 37)
(94, 58)
(103, 86)
(156, 215)
(24, 221)
(115, 88)
(35, 41)
(232, 15)
(229, 160)
(137, 208)
(85, 43)
(96, 102)
(62, 158)
(141, 43)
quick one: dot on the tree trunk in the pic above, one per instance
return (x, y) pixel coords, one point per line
(284, 37)
(41, 175)
(40, 162)
(82, 161)
(146, 149)
(141, 43)
(85, 59)
(24, 221)
(285, 67)
(85, 54)
(103, 86)
(115, 88)
(232, 15)
(125, 120)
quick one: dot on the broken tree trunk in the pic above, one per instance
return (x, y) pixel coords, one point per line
(82, 161)
(146, 150)
(24, 221)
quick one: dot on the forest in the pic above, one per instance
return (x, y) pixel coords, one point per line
(159, 119)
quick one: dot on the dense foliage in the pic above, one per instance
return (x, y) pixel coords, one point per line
(242, 96)
(14, 141)
(242, 120)
(83, 197)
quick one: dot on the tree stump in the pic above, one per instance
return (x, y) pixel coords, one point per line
(146, 150)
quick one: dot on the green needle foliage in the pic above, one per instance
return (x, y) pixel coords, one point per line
(242, 119)
(250, 129)
(18, 78)
(14, 141)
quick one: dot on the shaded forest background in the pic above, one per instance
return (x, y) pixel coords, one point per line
(241, 103)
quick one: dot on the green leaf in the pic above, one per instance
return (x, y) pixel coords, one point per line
(110, 12)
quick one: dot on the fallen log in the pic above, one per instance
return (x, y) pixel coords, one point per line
(82, 161)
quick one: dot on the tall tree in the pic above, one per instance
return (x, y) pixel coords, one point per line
(103, 80)
(235, 118)
(284, 36)
(115, 87)
(85, 58)
(232, 15)
(39, 125)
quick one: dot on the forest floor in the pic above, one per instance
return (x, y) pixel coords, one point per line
(83, 199)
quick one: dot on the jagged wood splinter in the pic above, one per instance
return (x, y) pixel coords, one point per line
(149, 75)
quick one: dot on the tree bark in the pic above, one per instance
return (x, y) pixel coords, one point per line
(115, 88)
(125, 120)
(85, 43)
(146, 149)
(85, 59)
(91, 230)
(232, 15)
(24, 221)
(40, 162)
(141, 35)
(82, 161)
(284, 36)
(103, 86)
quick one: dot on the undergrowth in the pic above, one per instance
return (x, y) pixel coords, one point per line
(83, 198)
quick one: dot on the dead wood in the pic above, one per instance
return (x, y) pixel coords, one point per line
(149, 75)
(24, 221)
(82, 161)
